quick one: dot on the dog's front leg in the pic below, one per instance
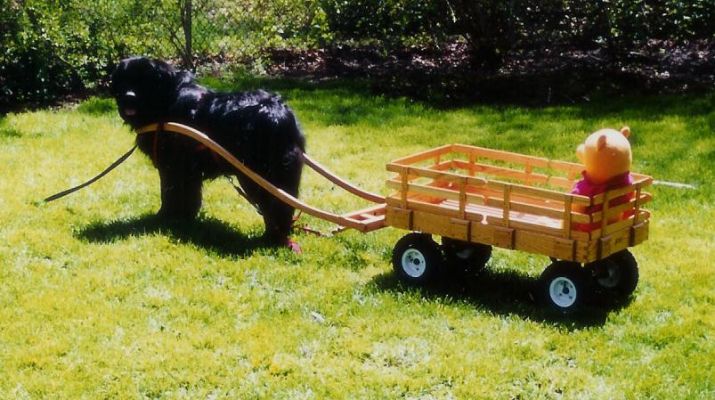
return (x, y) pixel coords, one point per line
(180, 192)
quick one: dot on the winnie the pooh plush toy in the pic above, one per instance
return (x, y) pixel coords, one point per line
(606, 156)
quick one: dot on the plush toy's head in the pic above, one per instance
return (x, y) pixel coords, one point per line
(606, 154)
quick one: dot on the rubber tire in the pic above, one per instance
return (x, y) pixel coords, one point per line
(465, 257)
(616, 276)
(416, 258)
(563, 286)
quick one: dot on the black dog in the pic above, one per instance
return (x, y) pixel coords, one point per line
(256, 127)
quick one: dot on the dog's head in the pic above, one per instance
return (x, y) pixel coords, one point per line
(144, 90)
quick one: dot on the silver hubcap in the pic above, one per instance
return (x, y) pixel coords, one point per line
(414, 263)
(563, 292)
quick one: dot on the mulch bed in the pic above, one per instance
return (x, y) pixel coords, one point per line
(444, 75)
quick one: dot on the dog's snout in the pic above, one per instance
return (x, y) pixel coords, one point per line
(128, 103)
(128, 99)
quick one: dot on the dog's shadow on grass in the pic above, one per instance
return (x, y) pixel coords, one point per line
(502, 293)
(210, 234)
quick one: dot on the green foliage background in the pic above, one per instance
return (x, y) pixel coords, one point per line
(49, 48)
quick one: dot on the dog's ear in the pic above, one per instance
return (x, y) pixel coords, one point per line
(163, 70)
(166, 78)
(170, 76)
(114, 77)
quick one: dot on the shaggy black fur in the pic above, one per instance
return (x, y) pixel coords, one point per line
(256, 127)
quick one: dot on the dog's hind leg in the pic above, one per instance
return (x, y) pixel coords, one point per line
(180, 193)
(277, 216)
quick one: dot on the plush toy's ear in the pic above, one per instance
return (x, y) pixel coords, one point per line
(580, 152)
(626, 131)
(601, 142)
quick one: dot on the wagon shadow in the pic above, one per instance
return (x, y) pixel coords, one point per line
(208, 233)
(500, 292)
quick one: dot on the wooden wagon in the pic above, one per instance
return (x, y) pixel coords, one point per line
(476, 198)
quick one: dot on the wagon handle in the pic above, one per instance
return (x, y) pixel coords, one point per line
(327, 174)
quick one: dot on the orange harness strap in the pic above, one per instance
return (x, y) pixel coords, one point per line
(155, 145)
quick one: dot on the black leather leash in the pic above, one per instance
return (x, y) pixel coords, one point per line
(91, 181)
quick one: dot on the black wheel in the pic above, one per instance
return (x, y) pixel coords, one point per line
(563, 286)
(465, 257)
(616, 276)
(416, 258)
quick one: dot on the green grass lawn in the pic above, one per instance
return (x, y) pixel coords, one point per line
(98, 299)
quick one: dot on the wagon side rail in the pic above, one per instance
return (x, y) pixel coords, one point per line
(363, 220)
(473, 160)
(488, 201)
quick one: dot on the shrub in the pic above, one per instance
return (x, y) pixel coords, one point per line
(495, 27)
(386, 21)
(50, 48)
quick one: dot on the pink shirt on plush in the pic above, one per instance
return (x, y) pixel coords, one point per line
(586, 187)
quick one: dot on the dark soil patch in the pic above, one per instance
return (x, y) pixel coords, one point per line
(443, 74)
